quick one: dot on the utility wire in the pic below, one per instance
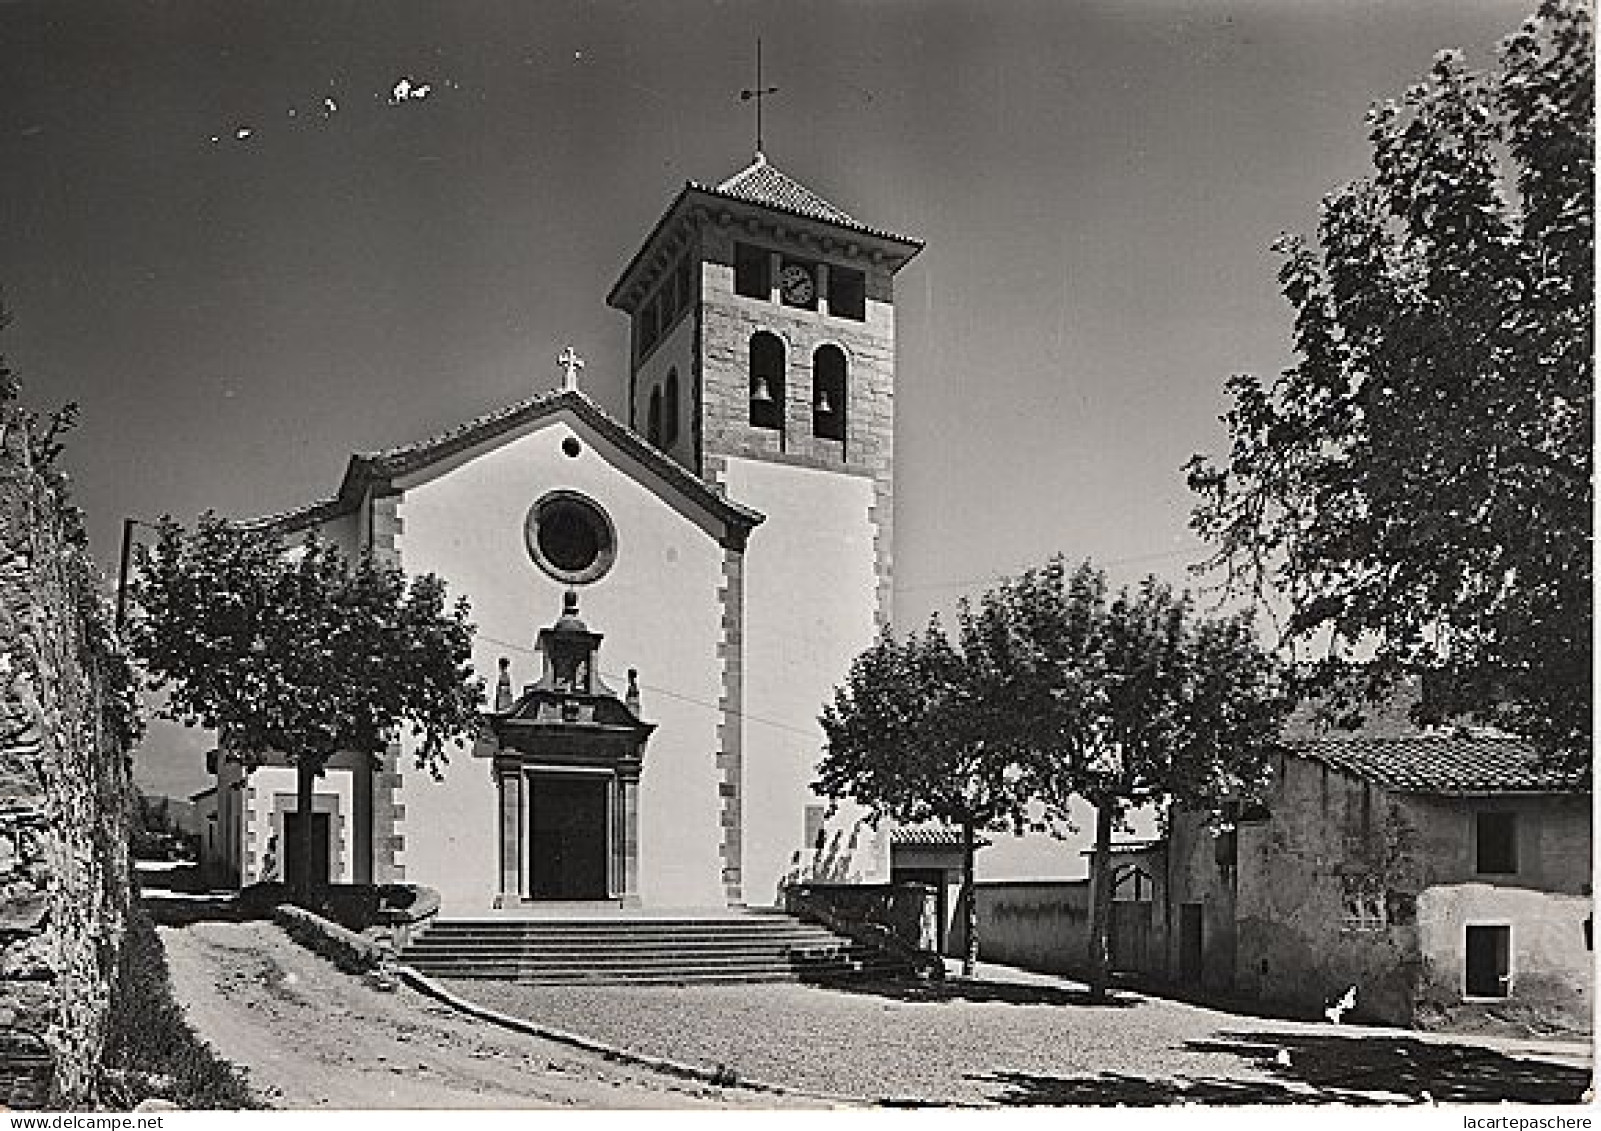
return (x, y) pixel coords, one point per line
(621, 677)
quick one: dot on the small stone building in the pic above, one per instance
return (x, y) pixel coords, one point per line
(1438, 874)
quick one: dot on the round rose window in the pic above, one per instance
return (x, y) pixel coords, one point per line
(570, 537)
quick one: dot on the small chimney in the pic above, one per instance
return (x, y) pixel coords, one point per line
(632, 698)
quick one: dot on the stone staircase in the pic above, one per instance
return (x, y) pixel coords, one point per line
(723, 947)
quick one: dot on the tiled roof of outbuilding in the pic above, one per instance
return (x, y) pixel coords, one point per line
(930, 836)
(1446, 763)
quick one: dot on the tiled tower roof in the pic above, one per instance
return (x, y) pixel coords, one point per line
(765, 184)
(761, 183)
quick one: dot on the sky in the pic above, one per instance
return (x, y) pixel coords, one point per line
(246, 249)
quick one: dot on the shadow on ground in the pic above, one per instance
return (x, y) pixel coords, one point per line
(1317, 1069)
(976, 990)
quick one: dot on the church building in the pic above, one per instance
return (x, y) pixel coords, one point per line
(663, 605)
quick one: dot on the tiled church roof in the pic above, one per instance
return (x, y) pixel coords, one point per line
(366, 468)
(1446, 763)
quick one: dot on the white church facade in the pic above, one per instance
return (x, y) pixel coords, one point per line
(662, 605)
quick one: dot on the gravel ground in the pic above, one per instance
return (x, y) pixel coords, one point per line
(1036, 1043)
(309, 1036)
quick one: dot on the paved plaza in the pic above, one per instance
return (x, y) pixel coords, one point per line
(1013, 1038)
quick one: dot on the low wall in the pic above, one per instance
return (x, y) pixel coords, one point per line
(1036, 924)
(353, 953)
(901, 918)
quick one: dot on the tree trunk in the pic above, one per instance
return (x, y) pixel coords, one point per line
(305, 783)
(969, 902)
(1100, 955)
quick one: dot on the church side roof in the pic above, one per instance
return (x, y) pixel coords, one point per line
(368, 469)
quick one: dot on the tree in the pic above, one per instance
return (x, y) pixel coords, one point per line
(1132, 701)
(911, 735)
(1417, 485)
(300, 652)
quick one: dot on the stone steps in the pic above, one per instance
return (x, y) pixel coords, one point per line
(765, 947)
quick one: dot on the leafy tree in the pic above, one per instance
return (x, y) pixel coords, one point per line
(1417, 485)
(1132, 700)
(911, 735)
(300, 652)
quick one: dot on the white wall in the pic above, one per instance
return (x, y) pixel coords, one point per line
(810, 591)
(659, 611)
(264, 786)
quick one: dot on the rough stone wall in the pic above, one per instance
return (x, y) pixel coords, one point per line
(1329, 833)
(65, 795)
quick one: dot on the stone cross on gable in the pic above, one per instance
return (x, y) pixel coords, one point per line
(572, 364)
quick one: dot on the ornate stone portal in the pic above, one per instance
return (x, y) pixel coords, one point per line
(566, 761)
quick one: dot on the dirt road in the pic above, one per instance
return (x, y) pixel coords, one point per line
(312, 1037)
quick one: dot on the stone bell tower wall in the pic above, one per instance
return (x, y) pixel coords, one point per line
(728, 323)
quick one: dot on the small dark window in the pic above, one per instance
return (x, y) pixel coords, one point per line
(1226, 848)
(1489, 961)
(766, 381)
(670, 410)
(828, 393)
(1497, 843)
(668, 301)
(685, 297)
(847, 293)
(653, 422)
(752, 272)
(647, 328)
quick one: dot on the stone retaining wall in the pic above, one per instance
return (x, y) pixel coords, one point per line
(65, 794)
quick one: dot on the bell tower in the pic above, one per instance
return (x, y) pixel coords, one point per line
(762, 359)
(763, 328)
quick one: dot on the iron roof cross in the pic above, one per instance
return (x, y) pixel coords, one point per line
(572, 364)
(760, 92)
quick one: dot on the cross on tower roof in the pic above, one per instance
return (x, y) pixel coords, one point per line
(572, 364)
